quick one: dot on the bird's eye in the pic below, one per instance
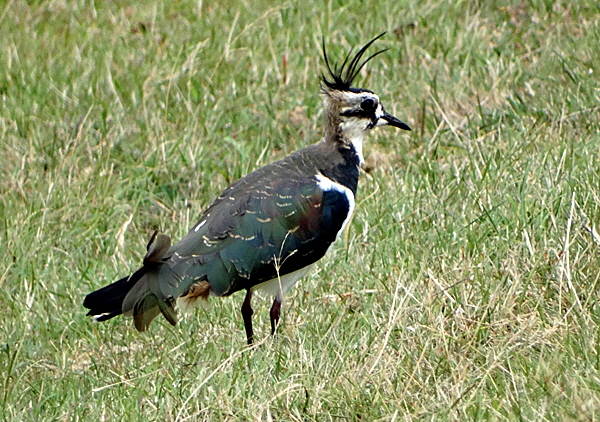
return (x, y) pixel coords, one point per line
(368, 105)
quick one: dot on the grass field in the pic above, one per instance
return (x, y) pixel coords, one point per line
(466, 287)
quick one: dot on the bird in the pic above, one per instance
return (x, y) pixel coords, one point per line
(269, 228)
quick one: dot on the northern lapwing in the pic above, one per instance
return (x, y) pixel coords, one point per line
(267, 229)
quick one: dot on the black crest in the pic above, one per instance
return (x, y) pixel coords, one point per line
(341, 77)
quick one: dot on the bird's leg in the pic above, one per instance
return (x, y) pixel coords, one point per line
(247, 314)
(275, 312)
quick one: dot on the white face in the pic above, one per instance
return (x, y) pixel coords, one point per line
(361, 112)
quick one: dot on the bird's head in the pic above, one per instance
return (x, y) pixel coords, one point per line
(351, 112)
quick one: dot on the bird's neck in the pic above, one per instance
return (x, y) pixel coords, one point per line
(352, 138)
(347, 134)
(341, 158)
(346, 171)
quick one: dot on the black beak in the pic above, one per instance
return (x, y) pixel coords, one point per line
(392, 121)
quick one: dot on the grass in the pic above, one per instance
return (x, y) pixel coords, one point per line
(466, 287)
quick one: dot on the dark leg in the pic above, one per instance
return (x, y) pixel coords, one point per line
(247, 314)
(275, 312)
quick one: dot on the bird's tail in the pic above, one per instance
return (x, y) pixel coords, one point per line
(107, 302)
(151, 290)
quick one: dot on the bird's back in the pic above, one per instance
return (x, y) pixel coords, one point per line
(277, 219)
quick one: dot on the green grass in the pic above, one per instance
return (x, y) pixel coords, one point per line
(467, 285)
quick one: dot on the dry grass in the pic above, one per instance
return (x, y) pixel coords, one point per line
(465, 289)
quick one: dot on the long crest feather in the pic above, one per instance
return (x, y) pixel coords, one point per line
(341, 77)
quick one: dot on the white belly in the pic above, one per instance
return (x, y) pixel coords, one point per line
(280, 286)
